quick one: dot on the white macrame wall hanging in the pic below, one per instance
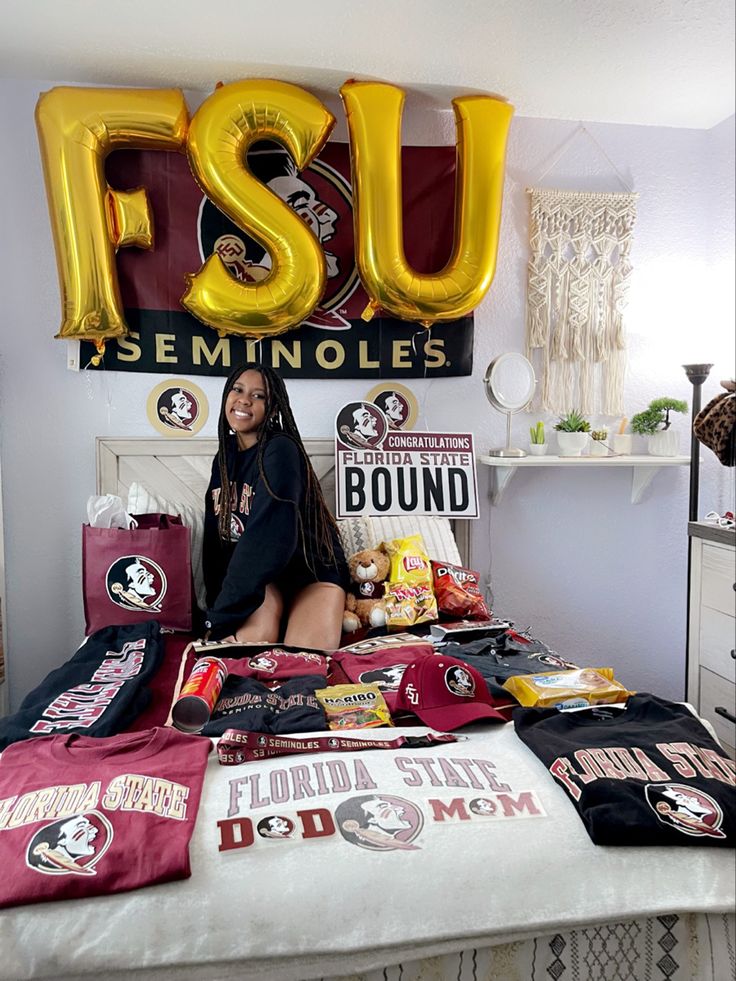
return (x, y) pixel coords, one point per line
(579, 273)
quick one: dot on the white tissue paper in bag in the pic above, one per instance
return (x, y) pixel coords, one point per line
(108, 511)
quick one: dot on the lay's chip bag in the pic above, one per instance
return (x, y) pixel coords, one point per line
(409, 561)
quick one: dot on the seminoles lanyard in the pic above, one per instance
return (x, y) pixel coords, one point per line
(237, 746)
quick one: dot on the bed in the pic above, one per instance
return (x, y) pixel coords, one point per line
(520, 894)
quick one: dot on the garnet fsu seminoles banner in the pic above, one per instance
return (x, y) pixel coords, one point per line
(334, 342)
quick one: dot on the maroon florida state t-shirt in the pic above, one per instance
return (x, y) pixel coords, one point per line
(81, 816)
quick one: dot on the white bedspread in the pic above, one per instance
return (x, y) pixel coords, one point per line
(319, 906)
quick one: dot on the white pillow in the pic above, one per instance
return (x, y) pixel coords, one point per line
(436, 532)
(367, 532)
(142, 501)
(355, 535)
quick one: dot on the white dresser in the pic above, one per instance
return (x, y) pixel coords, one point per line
(711, 668)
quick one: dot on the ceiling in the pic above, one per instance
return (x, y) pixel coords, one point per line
(652, 62)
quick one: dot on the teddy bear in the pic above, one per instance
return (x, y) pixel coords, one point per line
(365, 605)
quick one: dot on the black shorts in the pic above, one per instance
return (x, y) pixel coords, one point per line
(301, 572)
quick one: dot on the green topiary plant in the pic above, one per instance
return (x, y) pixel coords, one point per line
(536, 434)
(573, 422)
(656, 417)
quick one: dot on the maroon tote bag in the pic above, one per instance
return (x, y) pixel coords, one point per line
(142, 573)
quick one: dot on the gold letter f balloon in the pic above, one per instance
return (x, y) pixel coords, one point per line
(77, 128)
(374, 121)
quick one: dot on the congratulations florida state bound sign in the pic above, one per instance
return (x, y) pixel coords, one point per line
(380, 470)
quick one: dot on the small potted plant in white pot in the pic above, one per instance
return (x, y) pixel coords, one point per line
(599, 444)
(537, 441)
(654, 423)
(572, 433)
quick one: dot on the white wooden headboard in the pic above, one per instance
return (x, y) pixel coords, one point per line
(180, 471)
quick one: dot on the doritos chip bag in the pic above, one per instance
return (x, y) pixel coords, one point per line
(409, 561)
(457, 593)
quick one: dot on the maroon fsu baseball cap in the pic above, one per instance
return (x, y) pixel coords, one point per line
(446, 693)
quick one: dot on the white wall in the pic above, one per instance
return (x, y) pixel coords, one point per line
(601, 580)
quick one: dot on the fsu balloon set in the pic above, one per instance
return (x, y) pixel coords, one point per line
(79, 127)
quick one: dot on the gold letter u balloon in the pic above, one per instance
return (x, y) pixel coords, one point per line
(225, 125)
(374, 122)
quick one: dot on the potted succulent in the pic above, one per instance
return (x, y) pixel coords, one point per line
(654, 422)
(599, 446)
(572, 433)
(537, 442)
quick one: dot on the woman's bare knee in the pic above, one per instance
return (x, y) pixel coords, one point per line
(264, 624)
(315, 617)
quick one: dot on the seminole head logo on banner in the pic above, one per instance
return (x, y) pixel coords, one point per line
(270, 242)
(321, 196)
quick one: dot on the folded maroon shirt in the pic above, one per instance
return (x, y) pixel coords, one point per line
(84, 816)
(383, 666)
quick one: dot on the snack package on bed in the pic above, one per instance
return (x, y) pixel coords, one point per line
(457, 593)
(354, 706)
(408, 605)
(409, 561)
(566, 690)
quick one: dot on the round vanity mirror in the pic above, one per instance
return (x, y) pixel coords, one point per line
(509, 383)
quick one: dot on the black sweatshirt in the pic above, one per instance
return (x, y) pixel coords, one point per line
(648, 774)
(267, 545)
(98, 692)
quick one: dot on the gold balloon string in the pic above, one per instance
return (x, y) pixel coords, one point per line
(104, 380)
(426, 332)
(95, 361)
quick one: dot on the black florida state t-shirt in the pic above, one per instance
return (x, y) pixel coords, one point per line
(648, 774)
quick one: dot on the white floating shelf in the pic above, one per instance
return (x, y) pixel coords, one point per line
(644, 468)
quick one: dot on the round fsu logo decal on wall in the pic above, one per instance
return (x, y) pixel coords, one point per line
(135, 582)
(397, 402)
(177, 407)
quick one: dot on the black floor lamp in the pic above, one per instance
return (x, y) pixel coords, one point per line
(696, 373)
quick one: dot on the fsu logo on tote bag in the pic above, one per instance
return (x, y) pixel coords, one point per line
(135, 574)
(136, 582)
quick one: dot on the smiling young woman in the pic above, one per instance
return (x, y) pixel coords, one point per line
(245, 407)
(273, 564)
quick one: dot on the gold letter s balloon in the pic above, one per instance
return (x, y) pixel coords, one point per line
(224, 126)
(374, 122)
(77, 128)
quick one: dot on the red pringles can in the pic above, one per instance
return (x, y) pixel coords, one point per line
(194, 705)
